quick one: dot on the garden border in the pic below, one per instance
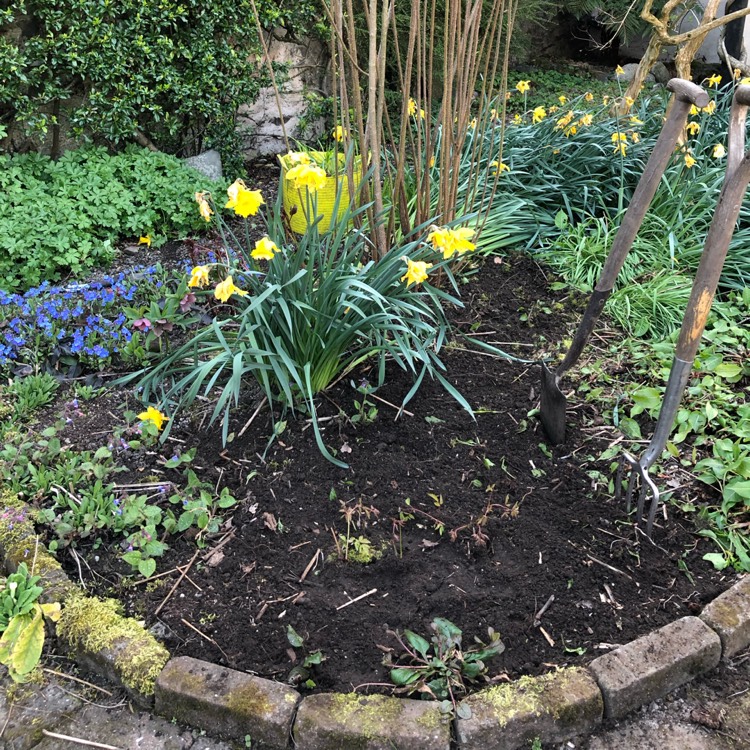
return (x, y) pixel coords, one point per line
(554, 707)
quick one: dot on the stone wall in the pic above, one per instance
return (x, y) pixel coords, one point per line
(308, 65)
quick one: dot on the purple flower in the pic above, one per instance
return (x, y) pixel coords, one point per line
(142, 325)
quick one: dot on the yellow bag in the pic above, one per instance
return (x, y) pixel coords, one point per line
(325, 198)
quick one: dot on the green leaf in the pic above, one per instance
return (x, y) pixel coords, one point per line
(717, 560)
(630, 428)
(294, 637)
(404, 676)
(147, 567)
(737, 490)
(419, 644)
(26, 648)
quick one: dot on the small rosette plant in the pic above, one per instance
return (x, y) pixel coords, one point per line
(294, 316)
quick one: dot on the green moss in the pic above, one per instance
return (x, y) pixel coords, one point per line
(519, 697)
(434, 719)
(369, 714)
(248, 700)
(19, 543)
(93, 625)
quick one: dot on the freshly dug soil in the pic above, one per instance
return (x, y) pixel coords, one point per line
(471, 519)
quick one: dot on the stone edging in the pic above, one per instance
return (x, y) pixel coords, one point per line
(554, 707)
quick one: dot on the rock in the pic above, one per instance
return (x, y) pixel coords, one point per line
(208, 163)
(729, 616)
(661, 73)
(629, 73)
(553, 708)
(226, 702)
(650, 667)
(369, 722)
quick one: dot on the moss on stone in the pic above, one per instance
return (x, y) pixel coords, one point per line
(248, 700)
(519, 697)
(433, 718)
(18, 543)
(369, 714)
(94, 625)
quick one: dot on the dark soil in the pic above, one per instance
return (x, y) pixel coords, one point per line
(474, 520)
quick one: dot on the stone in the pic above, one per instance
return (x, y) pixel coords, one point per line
(661, 73)
(226, 702)
(652, 666)
(369, 722)
(208, 163)
(629, 73)
(729, 616)
(553, 708)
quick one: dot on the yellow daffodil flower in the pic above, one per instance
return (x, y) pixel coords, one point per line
(714, 80)
(412, 108)
(199, 276)
(145, 240)
(719, 151)
(432, 162)
(499, 167)
(689, 161)
(636, 120)
(202, 200)
(265, 249)
(523, 86)
(693, 128)
(517, 119)
(562, 99)
(629, 101)
(619, 71)
(339, 133)
(226, 289)
(507, 95)
(586, 120)
(244, 202)
(473, 123)
(694, 110)
(737, 73)
(298, 157)
(153, 415)
(621, 143)
(710, 108)
(588, 96)
(618, 137)
(493, 114)
(451, 241)
(745, 81)
(307, 176)
(572, 130)
(538, 115)
(553, 108)
(416, 271)
(635, 137)
(564, 121)
(605, 100)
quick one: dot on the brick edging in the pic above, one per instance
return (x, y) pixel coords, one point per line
(554, 707)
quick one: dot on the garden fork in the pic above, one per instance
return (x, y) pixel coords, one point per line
(706, 280)
(553, 401)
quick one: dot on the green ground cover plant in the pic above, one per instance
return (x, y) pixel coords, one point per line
(64, 217)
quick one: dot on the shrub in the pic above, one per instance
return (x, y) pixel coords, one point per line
(62, 217)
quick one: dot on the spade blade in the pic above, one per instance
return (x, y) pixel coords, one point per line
(552, 408)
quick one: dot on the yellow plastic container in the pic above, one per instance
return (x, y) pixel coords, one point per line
(296, 202)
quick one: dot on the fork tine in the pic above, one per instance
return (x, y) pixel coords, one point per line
(641, 498)
(654, 505)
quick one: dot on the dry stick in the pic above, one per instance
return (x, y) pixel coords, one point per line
(207, 637)
(358, 598)
(7, 719)
(538, 615)
(399, 409)
(310, 565)
(80, 741)
(609, 567)
(77, 679)
(547, 636)
(254, 414)
(177, 583)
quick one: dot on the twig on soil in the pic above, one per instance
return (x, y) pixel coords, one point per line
(207, 637)
(311, 564)
(547, 636)
(609, 567)
(538, 615)
(7, 718)
(80, 741)
(224, 540)
(78, 680)
(252, 417)
(357, 598)
(78, 563)
(177, 582)
(399, 409)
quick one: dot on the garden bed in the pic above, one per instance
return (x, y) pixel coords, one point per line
(479, 522)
